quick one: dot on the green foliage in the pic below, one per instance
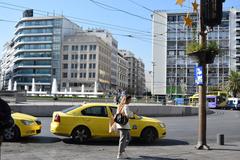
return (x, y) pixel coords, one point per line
(233, 84)
(194, 46)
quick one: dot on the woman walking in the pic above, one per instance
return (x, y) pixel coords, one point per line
(124, 130)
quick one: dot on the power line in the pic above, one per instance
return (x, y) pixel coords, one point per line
(137, 36)
(4, 20)
(129, 13)
(122, 28)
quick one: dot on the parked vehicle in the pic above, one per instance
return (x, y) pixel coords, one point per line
(25, 125)
(233, 103)
(82, 122)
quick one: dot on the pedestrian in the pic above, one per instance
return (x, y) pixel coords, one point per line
(124, 130)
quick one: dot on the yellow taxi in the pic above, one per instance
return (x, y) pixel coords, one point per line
(82, 122)
(24, 125)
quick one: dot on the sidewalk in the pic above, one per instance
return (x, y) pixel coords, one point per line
(108, 151)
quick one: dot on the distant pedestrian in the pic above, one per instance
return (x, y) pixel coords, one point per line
(124, 130)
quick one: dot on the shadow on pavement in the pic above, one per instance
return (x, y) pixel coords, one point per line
(156, 158)
(39, 139)
(226, 149)
(134, 142)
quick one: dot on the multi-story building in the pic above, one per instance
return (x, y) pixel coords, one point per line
(113, 43)
(37, 47)
(136, 76)
(122, 80)
(52, 47)
(7, 65)
(235, 38)
(86, 59)
(173, 71)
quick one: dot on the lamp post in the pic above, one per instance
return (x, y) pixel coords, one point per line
(153, 66)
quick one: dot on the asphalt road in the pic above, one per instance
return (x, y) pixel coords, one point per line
(226, 122)
(178, 144)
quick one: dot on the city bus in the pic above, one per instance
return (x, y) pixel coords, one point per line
(213, 100)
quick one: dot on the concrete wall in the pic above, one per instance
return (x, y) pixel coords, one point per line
(46, 109)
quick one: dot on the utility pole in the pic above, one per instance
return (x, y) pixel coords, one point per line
(202, 122)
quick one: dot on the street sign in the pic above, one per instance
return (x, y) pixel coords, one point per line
(198, 75)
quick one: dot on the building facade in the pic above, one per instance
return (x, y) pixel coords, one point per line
(36, 49)
(122, 72)
(113, 43)
(53, 47)
(7, 65)
(173, 71)
(86, 59)
(136, 76)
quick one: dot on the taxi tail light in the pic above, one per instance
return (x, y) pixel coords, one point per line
(57, 118)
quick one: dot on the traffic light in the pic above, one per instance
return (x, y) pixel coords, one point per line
(211, 12)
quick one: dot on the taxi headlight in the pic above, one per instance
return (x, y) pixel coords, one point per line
(27, 123)
(162, 125)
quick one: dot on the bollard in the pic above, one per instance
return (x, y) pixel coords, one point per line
(220, 139)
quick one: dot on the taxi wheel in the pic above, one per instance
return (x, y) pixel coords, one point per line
(149, 135)
(81, 134)
(11, 134)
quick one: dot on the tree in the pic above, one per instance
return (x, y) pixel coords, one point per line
(233, 84)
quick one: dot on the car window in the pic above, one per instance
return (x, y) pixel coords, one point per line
(99, 111)
(113, 110)
(70, 108)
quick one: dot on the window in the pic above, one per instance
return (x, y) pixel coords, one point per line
(65, 65)
(92, 48)
(94, 56)
(65, 75)
(72, 66)
(76, 66)
(83, 65)
(65, 47)
(72, 75)
(98, 111)
(82, 75)
(90, 75)
(54, 71)
(64, 84)
(83, 56)
(72, 56)
(65, 57)
(93, 75)
(75, 48)
(113, 110)
(76, 56)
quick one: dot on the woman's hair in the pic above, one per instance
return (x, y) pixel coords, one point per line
(128, 97)
(123, 101)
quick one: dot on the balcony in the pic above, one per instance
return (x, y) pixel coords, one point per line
(32, 50)
(32, 66)
(33, 27)
(31, 35)
(31, 75)
(31, 42)
(31, 58)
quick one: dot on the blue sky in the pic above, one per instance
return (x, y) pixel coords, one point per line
(140, 45)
